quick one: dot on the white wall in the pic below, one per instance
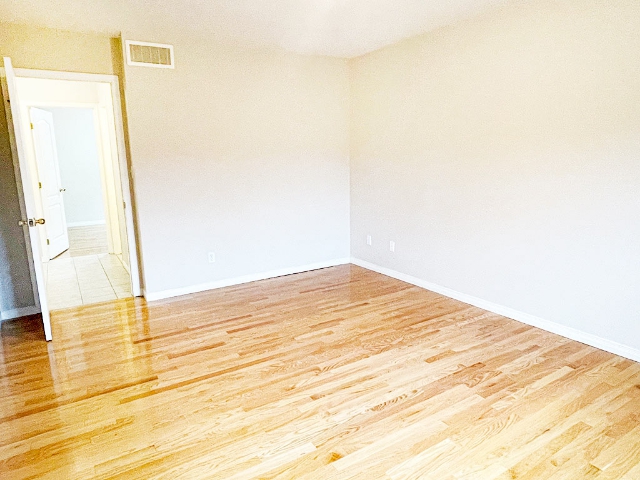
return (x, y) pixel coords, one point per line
(502, 155)
(243, 153)
(79, 165)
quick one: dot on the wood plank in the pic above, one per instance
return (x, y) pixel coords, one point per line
(337, 373)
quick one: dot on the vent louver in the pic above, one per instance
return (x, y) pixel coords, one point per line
(145, 54)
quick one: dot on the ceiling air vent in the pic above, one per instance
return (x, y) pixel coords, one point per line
(145, 54)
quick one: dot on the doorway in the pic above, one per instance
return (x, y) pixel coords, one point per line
(83, 263)
(68, 146)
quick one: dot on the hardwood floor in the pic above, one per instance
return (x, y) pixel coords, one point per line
(335, 374)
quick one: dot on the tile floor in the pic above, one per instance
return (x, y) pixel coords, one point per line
(74, 281)
(88, 240)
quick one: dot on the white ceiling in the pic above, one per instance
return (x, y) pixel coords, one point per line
(341, 28)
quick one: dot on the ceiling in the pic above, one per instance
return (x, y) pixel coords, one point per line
(340, 28)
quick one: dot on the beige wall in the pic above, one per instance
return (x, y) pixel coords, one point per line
(42, 49)
(502, 155)
(47, 49)
(240, 152)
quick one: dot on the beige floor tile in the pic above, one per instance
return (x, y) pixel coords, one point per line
(91, 277)
(90, 270)
(88, 266)
(95, 286)
(65, 303)
(78, 280)
(86, 300)
(88, 240)
(57, 294)
(122, 291)
(58, 278)
(62, 282)
(86, 289)
(62, 273)
(109, 260)
(63, 297)
(60, 262)
(118, 280)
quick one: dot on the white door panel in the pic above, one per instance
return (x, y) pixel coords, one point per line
(12, 107)
(51, 189)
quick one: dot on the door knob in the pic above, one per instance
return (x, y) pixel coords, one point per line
(32, 222)
(63, 190)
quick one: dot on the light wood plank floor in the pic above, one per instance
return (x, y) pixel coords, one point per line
(335, 374)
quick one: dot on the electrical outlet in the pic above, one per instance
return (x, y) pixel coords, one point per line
(369, 240)
(392, 246)
(212, 257)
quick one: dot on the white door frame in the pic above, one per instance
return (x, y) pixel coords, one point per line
(113, 81)
(105, 166)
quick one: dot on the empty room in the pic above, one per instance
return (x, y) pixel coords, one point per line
(340, 239)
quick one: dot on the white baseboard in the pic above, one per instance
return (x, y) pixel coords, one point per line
(176, 292)
(19, 312)
(86, 224)
(553, 327)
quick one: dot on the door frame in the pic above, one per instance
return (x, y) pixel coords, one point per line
(105, 166)
(121, 153)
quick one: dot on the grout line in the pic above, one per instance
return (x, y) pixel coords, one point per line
(107, 275)
(109, 278)
(93, 271)
(63, 301)
(77, 280)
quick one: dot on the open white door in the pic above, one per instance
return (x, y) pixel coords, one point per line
(12, 107)
(51, 190)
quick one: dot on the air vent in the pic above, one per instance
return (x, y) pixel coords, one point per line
(146, 54)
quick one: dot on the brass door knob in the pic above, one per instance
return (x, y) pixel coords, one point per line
(32, 222)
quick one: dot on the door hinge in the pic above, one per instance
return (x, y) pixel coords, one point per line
(39, 184)
(47, 241)
(31, 126)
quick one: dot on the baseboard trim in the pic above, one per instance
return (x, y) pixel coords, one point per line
(87, 224)
(547, 325)
(19, 312)
(229, 282)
